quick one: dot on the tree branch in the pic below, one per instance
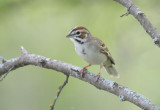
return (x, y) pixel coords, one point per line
(124, 93)
(58, 93)
(143, 20)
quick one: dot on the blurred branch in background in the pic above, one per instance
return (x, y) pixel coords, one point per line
(122, 92)
(143, 20)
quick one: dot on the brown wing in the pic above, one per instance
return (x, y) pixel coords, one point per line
(104, 50)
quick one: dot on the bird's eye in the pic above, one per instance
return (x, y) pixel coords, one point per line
(77, 32)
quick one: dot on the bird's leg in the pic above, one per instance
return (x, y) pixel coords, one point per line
(84, 69)
(99, 74)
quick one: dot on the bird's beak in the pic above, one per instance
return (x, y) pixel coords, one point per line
(69, 35)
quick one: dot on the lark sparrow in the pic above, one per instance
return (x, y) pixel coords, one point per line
(92, 50)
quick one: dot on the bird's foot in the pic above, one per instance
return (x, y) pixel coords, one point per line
(82, 72)
(98, 76)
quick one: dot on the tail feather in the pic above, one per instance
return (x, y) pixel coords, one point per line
(112, 71)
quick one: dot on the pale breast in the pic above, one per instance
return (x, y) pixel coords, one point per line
(90, 53)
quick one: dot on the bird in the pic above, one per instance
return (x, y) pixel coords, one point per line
(92, 50)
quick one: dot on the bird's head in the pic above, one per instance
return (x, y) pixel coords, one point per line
(79, 34)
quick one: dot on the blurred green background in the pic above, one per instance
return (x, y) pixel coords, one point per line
(41, 26)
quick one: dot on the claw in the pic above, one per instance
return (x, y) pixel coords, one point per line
(82, 72)
(98, 76)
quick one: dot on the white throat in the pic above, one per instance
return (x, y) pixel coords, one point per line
(78, 40)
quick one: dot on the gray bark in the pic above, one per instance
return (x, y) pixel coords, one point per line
(124, 93)
(142, 19)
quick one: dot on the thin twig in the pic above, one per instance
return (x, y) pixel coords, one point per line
(23, 50)
(126, 14)
(58, 92)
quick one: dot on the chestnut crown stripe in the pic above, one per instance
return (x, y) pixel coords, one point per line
(80, 28)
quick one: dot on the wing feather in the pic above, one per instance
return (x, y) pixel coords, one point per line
(104, 50)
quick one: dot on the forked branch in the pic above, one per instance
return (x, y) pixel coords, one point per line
(143, 20)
